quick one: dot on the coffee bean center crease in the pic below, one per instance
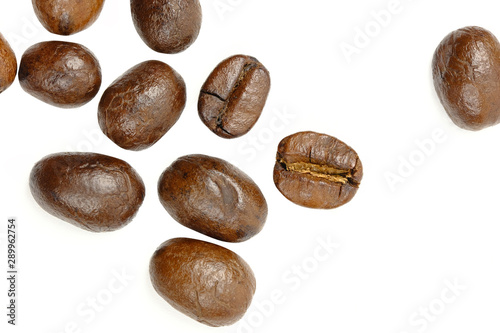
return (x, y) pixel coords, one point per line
(336, 175)
(248, 67)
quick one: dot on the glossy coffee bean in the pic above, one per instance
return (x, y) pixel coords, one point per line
(167, 26)
(62, 74)
(466, 72)
(317, 170)
(140, 106)
(233, 97)
(8, 64)
(206, 282)
(212, 196)
(92, 191)
(66, 17)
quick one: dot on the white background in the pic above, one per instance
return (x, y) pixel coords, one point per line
(398, 245)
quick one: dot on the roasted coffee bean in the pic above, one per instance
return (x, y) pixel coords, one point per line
(142, 105)
(212, 196)
(92, 191)
(466, 72)
(8, 64)
(233, 96)
(66, 17)
(316, 170)
(206, 282)
(167, 26)
(62, 74)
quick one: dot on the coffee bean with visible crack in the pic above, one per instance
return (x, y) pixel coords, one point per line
(206, 282)
(233, 97)
(317, 170)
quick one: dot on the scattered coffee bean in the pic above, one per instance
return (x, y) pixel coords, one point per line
(167, 26)
(142, 105)
(92, 191)
(316, 170)
(466, 72)
(66, 17)
(8, 64)
(62, 74)
(212, 196)
(206, 282)
(233, 96)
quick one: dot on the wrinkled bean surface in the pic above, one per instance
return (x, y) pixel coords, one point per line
(66, 17)
(8, 64)
(92, 191)
(466, 72)
(167, 26)
(206, 282)
(62, 74)
(212, 196)
(142, 105)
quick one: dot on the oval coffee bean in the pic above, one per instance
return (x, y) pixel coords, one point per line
(92, 191)
(316, 170)
(167, 26)
(8, 64)
(213, 197)
(206, 282)
(234, 95)
(142, 105)
(466, 72)
(66, 17)
(62, 74)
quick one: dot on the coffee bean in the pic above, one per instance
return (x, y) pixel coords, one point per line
(62, 74)
(316, 170)
(212, 196)
(233, 96)
(92, 191)
(206, 282)
(167, 26)
(142, 105)
(8, 64)
(466, 72)
(66, 17)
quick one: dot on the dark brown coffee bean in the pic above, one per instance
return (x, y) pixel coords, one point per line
(206, 282)
(466, 72)
(233, 96)
(92, 191)
(66, 17)
(8, 64)
(142, 105)
(167, 26)
(317, 170)
(213, 197)
(62, 74)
